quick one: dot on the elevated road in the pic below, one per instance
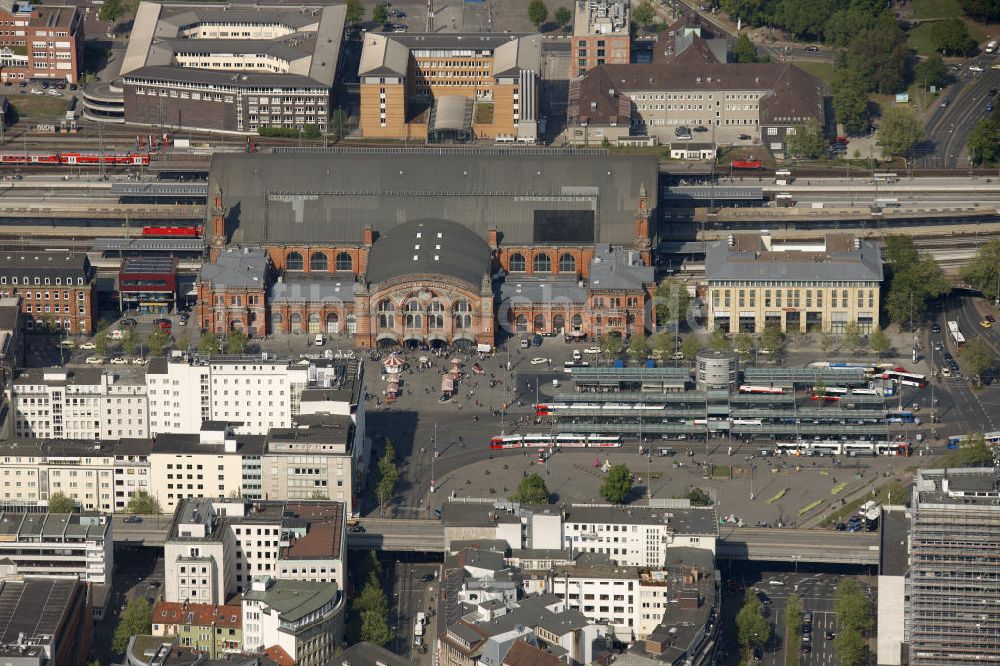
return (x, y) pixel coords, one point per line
(735, 543)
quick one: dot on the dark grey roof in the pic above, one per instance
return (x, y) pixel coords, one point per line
(692, 520)
(838, 264)
(324, 196)
(313, 287)
(895, 534)
(429, 247)
(245, 267)
(368, 654)
(34, 607)
(290, 47)
(45, 264)
(516, 290)
(618, 270)
(233, 79)
(246, 445)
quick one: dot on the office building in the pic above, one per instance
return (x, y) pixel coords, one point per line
(148, 285)
(57, 544)
(80, 403)
(230, 69)
(601, 34)
(57, 289)
(754, 281)
(450, 86)
(97, 476)
(40, 42)
(953, 595)
(636, 536)
(285, 540)
(252, 393)
(45, 621)
(302, 619)
(214, 630)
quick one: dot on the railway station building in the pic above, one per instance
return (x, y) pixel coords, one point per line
(387, 248)
(754, 281)
(46, 42)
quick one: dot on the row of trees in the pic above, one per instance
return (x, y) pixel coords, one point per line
(141, 503)
(914, 280)
(854, 614)
(369, 611)
(753, 631)
(538, 13)
(388, 475)
(984, 140)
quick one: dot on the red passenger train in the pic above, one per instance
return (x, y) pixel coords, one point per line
(76, 158)
(172, 232)
(756, 165)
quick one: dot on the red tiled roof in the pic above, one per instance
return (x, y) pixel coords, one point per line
(525, 654)
(199, 615)
(278, 654)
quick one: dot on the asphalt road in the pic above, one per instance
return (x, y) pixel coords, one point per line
(948, 127)
(411, 594)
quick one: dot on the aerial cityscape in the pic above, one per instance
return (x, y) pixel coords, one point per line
(499, 332)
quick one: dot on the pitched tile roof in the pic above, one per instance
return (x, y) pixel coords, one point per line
(199, 615)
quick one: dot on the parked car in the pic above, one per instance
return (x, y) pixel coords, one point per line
(94, 360)
(812, 49)
(700, 128)
(88, 346)
(129, 321)
(133, 519)
(118, 360)
(592, 350)
(538, 360)
(975, 68)
(139, 361)
(744, 137)
(840, 527)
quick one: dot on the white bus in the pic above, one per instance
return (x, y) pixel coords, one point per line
(956, 334)
(884, 177)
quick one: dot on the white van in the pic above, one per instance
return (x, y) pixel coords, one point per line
(319, 340)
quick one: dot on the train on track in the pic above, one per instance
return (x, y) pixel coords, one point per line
(172, 232)
(75, 158)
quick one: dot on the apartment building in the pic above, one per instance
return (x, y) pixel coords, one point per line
(232, 69)
(628, 536)
(693, 90)
(601, 34)
(754, 281)
(97, 476)
(57, 289)
(80, 403)
(450, 86)
(953, 596)
(252, 393)
(57, 544)
(284, 540)
(300, 620)
(42, 42)
(200, 556)
(216, 631)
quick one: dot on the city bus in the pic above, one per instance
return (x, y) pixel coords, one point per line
(956, 334)
(762, 390)
(900, 417)
(905, 378)
(829, 393)
(884, 177)
(865, 392)
(893, 448)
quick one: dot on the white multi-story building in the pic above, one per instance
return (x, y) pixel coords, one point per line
(57, 544)
(80, 403)
(305, 619)
(99, 476)
(629, 536)
(253, 393)
(285, 540)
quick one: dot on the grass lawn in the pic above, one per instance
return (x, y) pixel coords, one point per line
(919, 39)
(39, 106)
(823, 70)
(936, 8)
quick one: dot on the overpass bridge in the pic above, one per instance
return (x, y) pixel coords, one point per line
(735, 543)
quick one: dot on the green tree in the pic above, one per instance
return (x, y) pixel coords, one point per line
(59, 503)
(157, 342)
(611, 344)
(951, 37)
(111, 11)
(827, 341)
(672, 302)
(338, 124)
(388, 474)
(899, 132)
(102, 342)
(931, 71)
(135, 620)
(236, 342)
(850, 100)
(752, 629)
(355, 13)
(209, 343)
(380, 14)
(531, 490)
(984, 141)
(852, 648)
(690, 346)
(844, 24)
(718, 339)
(985, 11)
(853, 607)
(879, 342)
(644, 14)
(852, 336)
(983, 272)
(973, 451)
(143, 503)
(563, 16)
(537, 13)
(978, 357)
(664, 345)
(638, 347)
(745, 343)
(744, 51)
(808, 141)
(772, 338)
(617, 484)
(129, 343)
(699, 497)
(914, 279)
